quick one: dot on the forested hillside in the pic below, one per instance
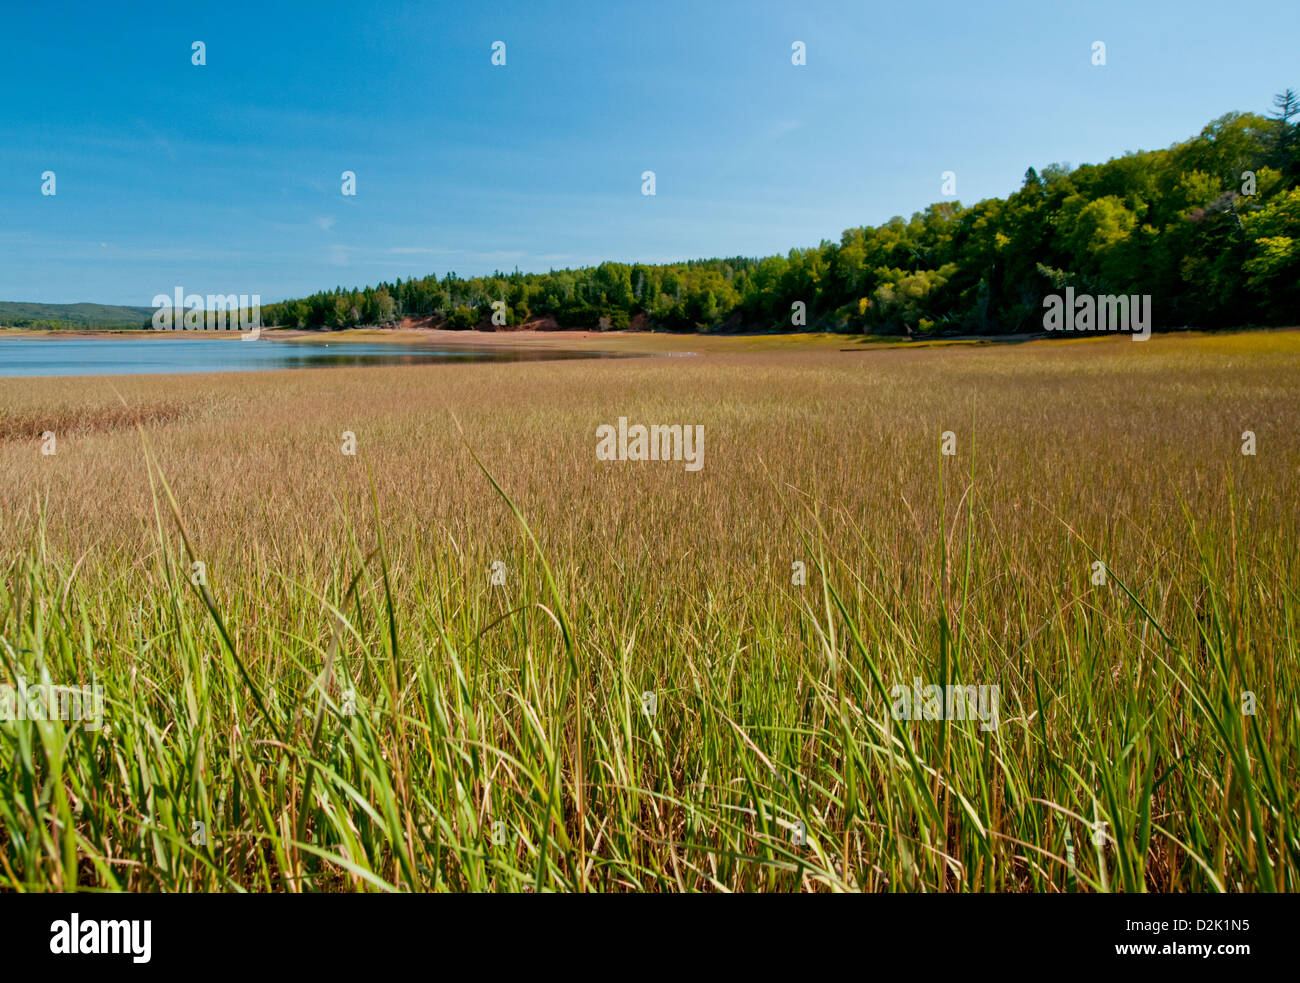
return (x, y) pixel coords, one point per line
(84, 317)
(1209, 228)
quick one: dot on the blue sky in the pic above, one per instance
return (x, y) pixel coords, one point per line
(226, 178)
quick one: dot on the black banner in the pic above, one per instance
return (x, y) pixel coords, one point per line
(172, 934)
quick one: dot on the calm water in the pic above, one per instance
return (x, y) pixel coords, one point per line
(129, 356)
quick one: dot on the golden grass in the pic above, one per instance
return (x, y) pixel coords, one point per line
(975, 568)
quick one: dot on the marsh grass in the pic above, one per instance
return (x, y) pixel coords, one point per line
(330, 577)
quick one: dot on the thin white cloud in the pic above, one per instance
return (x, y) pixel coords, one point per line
(783, 127)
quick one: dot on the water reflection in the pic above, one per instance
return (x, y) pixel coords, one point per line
(130, 356)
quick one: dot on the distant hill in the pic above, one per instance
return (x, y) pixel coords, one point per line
(20, 314)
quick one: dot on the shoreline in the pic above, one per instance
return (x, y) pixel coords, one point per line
(628, 342)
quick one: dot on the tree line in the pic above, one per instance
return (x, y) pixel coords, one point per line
(1210, 228)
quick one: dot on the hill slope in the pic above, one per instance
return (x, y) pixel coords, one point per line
(21, 314)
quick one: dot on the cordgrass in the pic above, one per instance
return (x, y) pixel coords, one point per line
(498, 740)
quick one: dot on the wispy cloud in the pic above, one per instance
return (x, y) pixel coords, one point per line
(782, 127)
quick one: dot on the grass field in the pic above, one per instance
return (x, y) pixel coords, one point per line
(348, 702)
